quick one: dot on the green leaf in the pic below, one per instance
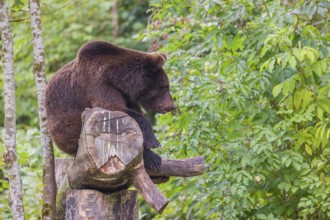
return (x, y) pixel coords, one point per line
(261, 216)
(324, 103)
(271, 65)
(264, 50)
(320, 113)
(297, 99)
(323, 64)
(310, 56)
(288, 86)
(285, 59)
(307, 98)
(277, 89)
(292, 62)
(288, 162)
(298, 53)
(308, 149)
(317, 68)
(311, 53)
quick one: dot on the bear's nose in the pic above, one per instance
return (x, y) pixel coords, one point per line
(169, 108)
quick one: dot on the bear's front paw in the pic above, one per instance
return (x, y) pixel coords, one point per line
(150, 141)
(151, 160)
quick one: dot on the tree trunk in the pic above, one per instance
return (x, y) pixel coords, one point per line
(92, 204)
(49, 191)
(15, 182)
(109, 159)
(110, 156)
(62, 166)
(84, 204)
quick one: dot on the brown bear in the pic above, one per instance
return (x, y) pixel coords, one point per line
(111, 77)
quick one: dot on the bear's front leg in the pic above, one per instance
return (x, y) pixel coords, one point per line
(149, 138)
(151, 160)
(109, 98)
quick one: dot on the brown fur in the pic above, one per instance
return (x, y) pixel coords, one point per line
(107, 76)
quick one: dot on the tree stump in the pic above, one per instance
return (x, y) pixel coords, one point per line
(92, 204)
(110, 159)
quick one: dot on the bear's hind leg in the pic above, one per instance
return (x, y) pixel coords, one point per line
(149, 138)
(65, 131)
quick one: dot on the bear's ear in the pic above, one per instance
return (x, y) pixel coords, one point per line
(157, 58)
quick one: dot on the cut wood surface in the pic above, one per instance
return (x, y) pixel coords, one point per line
(110, 147)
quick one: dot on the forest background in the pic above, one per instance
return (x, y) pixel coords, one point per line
(251, 79)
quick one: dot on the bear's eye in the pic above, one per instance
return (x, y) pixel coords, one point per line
(167, 87)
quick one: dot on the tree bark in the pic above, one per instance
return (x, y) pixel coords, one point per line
(181, 168)
(15, 182)
(92, 204)
(62, 165)
(142, 182)
(49, 191)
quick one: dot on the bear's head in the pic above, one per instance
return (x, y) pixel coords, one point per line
(138, 75)
(156, 95)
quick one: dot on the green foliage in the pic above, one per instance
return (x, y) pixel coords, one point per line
(66, 26)
(251, 78)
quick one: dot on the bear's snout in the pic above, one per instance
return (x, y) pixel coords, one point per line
(169, 107)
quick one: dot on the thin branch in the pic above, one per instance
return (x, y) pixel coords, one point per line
(149, 20)
(10, 156)
(44, 14)
(266, 8)
(115, 19)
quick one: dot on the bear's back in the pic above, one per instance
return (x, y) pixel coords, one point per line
(60, 95)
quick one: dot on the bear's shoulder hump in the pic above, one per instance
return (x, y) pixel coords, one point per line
(99, 48)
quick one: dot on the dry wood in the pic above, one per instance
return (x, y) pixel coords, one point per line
(183, 168)
(109, 159)
(110, 147)
(10, 156)
(49, 191)
(92, 204)
(110, 156)
(61, 167)
(117, 205)
(141, 180)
